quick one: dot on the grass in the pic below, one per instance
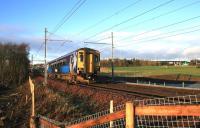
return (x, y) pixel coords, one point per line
(153, 70)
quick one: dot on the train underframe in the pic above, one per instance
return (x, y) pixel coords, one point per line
(73, 78)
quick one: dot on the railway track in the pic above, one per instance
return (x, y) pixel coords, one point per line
(139, 91)
(144, 95)
(110, 89)
(144, 91)
(121, 91)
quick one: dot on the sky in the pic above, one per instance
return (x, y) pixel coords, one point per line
(143, 29)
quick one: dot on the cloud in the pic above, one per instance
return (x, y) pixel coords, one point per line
(5, 28)
(20, 34)
(35, 40)
(183, 46)
(16, 33)
(159, 54)
(173, 48)
(192, 51)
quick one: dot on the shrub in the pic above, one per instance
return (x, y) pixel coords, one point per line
(14, 64)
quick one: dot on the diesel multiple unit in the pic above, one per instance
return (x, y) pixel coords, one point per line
(80, 65)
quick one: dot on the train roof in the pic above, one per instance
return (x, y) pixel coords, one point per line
(61, 57)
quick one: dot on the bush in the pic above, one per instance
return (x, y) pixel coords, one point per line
(14, 64)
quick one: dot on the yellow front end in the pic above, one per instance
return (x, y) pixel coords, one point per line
(88, 63)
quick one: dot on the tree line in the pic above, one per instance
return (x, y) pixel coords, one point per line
(128, 63)
(14, 64)
(138, 62)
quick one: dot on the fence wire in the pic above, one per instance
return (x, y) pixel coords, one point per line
(167, 121)
(178, 100)
(156, 122)
(120, 123)
(89, 117)
(150, 121)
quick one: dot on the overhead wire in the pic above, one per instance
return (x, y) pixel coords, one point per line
(163, 37)
(154, 39)
(39, 48)
(108, 17)
(141, 41)
(161, 15)
(132, 18)
(74, 9)
(62, 42)
(173, 35)
(160, 28)
(69, 15)
(166, 13)
(125, 21)
(170, 32)
(105, 38)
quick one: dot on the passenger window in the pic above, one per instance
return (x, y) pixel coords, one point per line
(96, 58)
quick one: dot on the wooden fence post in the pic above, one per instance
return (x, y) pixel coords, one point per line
(33, 96)
(111, 111)
(130, 115)
(34, 122)
(32, 119)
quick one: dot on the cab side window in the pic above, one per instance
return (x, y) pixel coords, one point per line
(81, 57)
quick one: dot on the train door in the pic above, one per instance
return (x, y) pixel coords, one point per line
(90, 63)
(81, 62)
(97, 62)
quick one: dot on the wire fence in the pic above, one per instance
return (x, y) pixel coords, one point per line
(89, 117)
(168, 121)
(156, 122)
(120, 123)
(177, 100)
(170, 112)
(173, 121)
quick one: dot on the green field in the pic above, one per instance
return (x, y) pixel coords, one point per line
(153, 70)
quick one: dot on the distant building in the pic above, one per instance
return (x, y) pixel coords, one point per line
(175, 63)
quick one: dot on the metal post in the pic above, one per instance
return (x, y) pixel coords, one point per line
(45, 57)
(112, 63)
(32, 60)
(32, 64)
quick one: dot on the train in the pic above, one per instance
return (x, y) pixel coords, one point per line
(81, 65)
